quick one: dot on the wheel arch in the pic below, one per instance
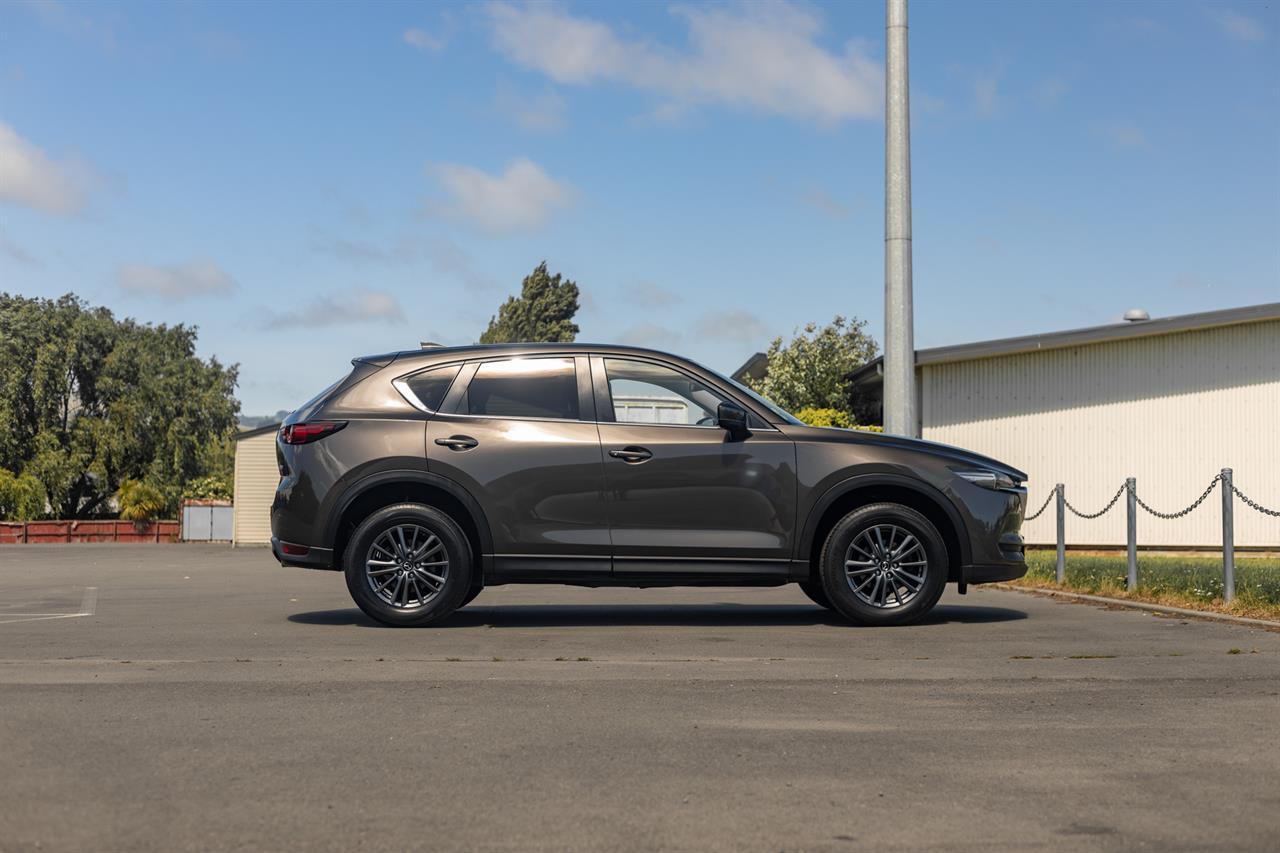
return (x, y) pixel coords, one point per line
(848, 495)
(389, 487)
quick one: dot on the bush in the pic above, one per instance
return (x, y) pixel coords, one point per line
(140, 501)
(211, 488)
(21, 497)
(832, 418)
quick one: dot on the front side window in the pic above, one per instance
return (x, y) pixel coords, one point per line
(427, 388)
(524, 388)
(645, 393)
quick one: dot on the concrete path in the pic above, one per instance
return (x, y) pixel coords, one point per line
(198, 698)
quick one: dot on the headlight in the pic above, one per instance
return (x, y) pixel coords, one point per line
(991, 480)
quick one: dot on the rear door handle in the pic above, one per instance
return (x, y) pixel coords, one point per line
(632, 455)
(457, 442)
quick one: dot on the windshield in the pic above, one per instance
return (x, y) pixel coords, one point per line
(782, 414)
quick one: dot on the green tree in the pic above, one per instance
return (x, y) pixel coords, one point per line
(88, 401)
(543, 312)
(21, 498)
(810, 370)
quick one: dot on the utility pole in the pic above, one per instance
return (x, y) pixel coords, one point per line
(899, 336)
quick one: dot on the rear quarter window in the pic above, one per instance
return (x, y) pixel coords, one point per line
(426, 389)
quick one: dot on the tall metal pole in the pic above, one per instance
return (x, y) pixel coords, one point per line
(899, 337)
(1131, 504)
(1228, 540)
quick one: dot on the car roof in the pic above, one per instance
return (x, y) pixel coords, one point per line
(433, 354)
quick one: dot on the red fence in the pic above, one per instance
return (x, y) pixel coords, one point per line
(89, 531)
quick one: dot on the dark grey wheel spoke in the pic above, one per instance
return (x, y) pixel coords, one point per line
(886, 565)
(407, 566)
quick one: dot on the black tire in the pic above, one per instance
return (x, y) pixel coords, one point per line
(457, 577)
(471, 596)
(816, 594)
(912, 604)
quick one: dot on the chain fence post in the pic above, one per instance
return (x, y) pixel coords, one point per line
(1131, 501)
(1228, 539)
(1062, 532)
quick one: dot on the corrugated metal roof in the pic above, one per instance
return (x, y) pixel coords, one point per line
(1077, 337)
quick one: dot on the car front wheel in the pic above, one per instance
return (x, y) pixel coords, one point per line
(884, 564)
(408, 564)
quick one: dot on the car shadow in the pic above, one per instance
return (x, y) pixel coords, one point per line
(689, 615)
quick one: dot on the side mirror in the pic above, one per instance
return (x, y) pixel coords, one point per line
(733, 419)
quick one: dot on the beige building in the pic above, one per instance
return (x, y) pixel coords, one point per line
(255, 486)
(1169, 401)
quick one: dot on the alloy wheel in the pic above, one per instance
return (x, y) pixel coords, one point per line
(886, 566)
(407, 566)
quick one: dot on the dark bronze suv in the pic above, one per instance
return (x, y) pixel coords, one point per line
(427, 475)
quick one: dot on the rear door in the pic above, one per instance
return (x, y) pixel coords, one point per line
(519, 435)
(684, 498)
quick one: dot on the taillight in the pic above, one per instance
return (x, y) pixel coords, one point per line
(307, 433)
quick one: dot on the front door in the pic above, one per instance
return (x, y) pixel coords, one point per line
(521, 439)
(683, 497)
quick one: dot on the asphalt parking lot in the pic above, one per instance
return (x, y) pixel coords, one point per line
(213, 700)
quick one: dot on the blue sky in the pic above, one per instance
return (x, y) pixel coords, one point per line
(309, 182)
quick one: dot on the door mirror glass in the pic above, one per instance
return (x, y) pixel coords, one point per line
(733, 419)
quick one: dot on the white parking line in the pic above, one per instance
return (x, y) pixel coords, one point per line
(88, 606)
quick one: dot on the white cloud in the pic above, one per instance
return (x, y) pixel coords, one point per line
(763, 57)
(1238, 26)
(735, 324)
(341, 309)
(544, 111)
(986, 91)
(1123, 134)
(825, 203)
(646, 294)
(522, 198)
(28, 177)
(16, 252)
(191, 280)
(424, 41)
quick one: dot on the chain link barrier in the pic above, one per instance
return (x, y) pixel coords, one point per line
(1042, 508)
(1254, 504)
(1180, 513)
(1101, 512)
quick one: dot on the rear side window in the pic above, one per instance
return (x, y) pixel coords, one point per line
(524, 388)
(430, 386)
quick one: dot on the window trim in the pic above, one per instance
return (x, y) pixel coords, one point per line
(453, 402)
(593, 388)
(604, 396)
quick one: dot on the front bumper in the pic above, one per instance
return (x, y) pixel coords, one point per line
(1011, 565)
(315, 558)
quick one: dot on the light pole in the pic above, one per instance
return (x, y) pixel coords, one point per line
(899, 337)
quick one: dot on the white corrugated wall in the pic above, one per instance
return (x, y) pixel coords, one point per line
(255, 488)
(1170, 410)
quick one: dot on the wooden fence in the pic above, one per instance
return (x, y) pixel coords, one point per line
(88, 531)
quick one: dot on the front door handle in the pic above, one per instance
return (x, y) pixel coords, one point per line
(457, 442)
(632, 455)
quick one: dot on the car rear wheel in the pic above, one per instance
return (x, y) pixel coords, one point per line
(884, 564)
(408, 564)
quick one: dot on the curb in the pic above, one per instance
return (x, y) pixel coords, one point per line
(1139, 605)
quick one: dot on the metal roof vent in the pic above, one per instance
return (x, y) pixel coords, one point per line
(434, 345)
(1136, 315)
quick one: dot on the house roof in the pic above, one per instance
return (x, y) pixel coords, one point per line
(1078, 337)
(250, 433)
(754, 367)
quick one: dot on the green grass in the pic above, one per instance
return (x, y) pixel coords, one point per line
(1180, 581)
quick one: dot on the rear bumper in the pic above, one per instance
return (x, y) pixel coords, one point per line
(315, 558)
